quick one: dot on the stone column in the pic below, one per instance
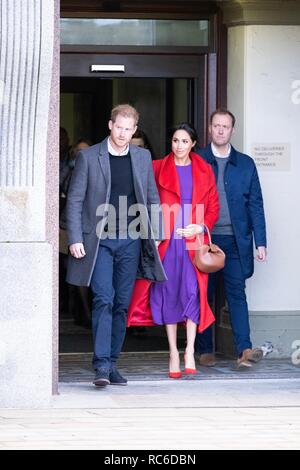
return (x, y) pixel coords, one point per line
(28, 173)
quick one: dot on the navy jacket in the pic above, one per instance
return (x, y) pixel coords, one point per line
(245, 203)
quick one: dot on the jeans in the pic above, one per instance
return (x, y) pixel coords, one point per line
(112, 285)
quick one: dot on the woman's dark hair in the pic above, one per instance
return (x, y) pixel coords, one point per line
(139, 134)
(81, 141)
(187, 127)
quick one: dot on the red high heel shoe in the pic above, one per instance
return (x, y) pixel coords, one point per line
(175, 375)
(189, 370)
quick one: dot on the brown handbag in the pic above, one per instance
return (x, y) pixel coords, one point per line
(209, 258)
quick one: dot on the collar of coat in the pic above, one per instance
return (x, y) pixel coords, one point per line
(232, 156)
(103, 149)
(137, 164)
(167, 177)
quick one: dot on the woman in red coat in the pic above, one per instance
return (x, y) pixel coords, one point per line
(188, 195)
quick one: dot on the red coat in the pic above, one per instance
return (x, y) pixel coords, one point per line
(205, 194)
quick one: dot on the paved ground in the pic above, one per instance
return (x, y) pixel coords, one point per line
(141, 366)
(224, 414)
(221, 409)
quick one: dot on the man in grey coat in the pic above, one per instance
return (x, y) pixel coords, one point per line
(113, 223)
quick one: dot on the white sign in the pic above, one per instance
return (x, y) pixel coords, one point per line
(272, 157)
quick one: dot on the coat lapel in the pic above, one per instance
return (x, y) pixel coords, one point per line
(103, 158)
(168, 176)
(136, 165)
(199, 189)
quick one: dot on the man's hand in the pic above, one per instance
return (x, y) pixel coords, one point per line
(77, 250)
(190, 230)
(261, 253)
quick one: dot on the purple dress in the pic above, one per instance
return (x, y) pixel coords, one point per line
(177, 299)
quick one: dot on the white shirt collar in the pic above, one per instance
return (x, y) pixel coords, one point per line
(217, 154)
(112, 151)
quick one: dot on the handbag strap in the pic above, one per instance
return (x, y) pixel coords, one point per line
(208, 234)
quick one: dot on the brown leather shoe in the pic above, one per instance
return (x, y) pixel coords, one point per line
(207, 360)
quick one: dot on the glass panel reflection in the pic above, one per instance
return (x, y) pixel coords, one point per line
(134, 32)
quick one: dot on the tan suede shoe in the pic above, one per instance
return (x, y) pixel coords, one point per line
(248, 356)
(243, 362)
(207, 360)
(254, 355)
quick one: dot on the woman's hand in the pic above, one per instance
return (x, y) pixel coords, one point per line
(190, 230)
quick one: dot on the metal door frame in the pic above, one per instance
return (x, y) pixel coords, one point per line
(199, 68)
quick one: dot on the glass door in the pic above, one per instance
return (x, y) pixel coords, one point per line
(166, 89)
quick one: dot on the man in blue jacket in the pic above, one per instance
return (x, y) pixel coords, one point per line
(241, 218)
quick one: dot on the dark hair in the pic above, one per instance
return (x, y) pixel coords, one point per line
(222, 111)
(139, 134)
(81, 141)
(64, 143)
(72, 152)
(187, 127)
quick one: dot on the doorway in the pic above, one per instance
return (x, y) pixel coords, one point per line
(166, 89)
(161, 102)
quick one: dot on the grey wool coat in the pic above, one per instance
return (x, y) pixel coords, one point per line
(90, 188)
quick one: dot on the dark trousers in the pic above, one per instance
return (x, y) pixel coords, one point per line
(234, 284)
(112, 285)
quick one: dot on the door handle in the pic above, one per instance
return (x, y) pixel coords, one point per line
(107, 68)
